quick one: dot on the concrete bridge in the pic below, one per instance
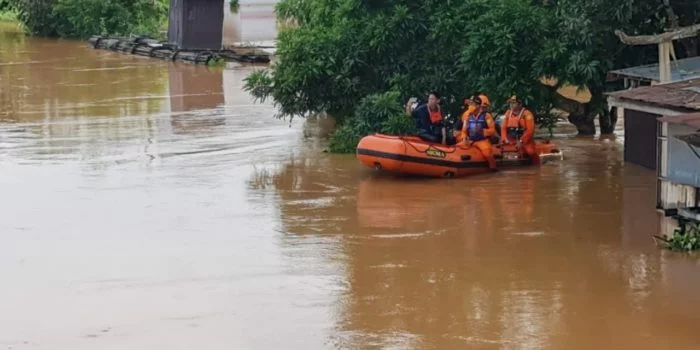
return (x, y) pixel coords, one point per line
(211, 25)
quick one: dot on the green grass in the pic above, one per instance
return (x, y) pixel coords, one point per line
(11, 18)
(217, 62)
(234, 5)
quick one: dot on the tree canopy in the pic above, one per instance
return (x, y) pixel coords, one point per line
(83, 18)
(338, 52)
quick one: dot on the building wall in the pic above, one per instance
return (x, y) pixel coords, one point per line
(682, 160)
(640, 138)
(678, 169)
(196, 24)
(254, 21)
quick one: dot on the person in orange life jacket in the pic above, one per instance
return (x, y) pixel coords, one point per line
(479, 128)
(429, 120)
(460, 132)
(519, 126)
(471, 107)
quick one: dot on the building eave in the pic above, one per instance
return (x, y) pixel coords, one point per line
(643, 107)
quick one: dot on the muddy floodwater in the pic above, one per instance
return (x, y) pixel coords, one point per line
(152, 205)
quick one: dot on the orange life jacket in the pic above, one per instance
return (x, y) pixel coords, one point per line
(436, 116)
(515, 120)
(515, 123)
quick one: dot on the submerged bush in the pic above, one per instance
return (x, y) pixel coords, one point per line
(381, 112)
(684, 238)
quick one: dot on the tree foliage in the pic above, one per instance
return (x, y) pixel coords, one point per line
(340, 51)
(381, 112)
(583, 47)
(83, 18)
(685, 238)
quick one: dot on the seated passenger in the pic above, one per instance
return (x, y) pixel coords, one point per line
(429, 120)
(519, 126)
(479, 128)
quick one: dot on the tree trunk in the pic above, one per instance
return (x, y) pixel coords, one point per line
(608, 121)
(599, 106)
(584, 123)
(579, 113)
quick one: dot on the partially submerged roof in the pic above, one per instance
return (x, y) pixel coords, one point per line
(683, 95)
(691, 119)
(683, 69)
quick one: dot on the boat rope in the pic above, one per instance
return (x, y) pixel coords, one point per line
(454, 149)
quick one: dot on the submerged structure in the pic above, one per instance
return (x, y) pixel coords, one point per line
(153, 48)
(196, 24)
(662, 132)
(662, 120)
(203, 31)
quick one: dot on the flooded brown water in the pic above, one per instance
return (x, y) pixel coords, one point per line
(152, 205)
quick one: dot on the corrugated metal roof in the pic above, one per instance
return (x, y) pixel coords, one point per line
(691, 119)
(680, 95)
(687, 68)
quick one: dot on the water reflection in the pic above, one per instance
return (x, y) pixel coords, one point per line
(161, 205)
(199, 91)
(530, 258)
(58, 80)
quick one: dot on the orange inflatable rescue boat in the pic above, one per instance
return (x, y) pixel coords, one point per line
(412, 156)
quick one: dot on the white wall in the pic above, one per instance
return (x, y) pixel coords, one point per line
(255, 21)
(677, 176)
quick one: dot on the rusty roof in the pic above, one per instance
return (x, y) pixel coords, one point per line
(680, 95)
(691, 119)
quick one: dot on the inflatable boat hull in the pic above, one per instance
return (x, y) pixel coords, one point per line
(412, 156)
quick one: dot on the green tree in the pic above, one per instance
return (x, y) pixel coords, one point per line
(36, 15)
(586, 48)
(83, 18)
(340, 51)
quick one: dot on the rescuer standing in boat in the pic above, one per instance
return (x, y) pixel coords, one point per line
(519, 127)
(479, 129)
(429, 119)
